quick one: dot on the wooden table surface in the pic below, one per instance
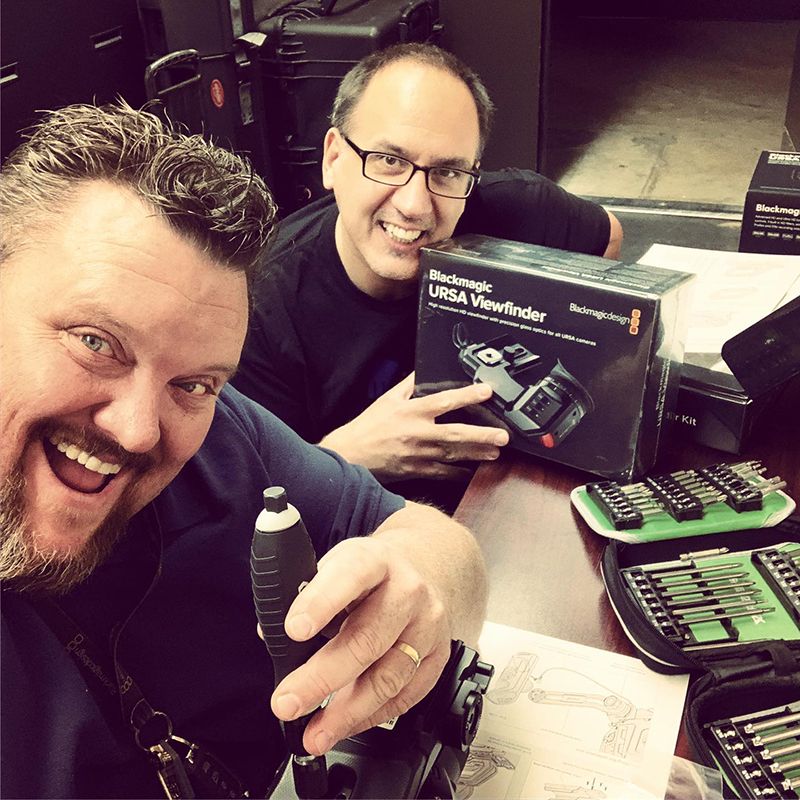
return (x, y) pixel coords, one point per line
(544, 561)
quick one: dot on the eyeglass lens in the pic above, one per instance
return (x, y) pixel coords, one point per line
(396, 171)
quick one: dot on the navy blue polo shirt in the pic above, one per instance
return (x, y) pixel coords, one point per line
(191, 643)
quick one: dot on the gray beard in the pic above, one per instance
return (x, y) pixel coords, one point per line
(26, 568)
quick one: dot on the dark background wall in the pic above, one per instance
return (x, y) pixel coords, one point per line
(56, 52)
(502, 42)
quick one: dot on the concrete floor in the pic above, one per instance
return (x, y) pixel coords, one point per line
(665, 112)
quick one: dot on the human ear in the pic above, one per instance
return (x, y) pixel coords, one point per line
(331, 150)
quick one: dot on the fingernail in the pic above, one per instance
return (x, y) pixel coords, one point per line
(286, 706)
(501, 439)
(299, 627)
(323, 742)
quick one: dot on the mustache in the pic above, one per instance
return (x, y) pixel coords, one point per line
(89, 438)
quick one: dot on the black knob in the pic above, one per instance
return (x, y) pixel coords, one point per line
(275, 499)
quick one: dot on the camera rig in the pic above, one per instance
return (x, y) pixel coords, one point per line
(544, 411)
(422, 753)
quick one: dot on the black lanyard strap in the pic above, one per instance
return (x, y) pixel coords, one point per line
(183, 767)
(113, 686)
(115, 689)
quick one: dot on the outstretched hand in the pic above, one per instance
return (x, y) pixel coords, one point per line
(398, 437)
(388, 601)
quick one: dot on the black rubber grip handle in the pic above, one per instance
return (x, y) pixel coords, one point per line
(282, 561)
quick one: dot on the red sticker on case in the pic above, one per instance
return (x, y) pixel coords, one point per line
(217, 93)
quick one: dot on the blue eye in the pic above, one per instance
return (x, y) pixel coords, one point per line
(94, 343)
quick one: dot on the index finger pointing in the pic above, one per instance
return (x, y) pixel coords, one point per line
(344, 575)
(452, 399)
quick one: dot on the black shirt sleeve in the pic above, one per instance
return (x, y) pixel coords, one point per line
(527, 207)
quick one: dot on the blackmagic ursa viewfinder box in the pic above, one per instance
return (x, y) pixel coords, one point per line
(582, 352)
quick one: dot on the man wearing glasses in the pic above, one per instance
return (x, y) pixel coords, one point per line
(331, 344)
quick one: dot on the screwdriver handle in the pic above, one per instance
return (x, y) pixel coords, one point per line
(282, 561)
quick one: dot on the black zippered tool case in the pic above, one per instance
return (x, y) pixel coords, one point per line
(726, 608)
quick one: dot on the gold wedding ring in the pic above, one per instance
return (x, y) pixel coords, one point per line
(411, 652)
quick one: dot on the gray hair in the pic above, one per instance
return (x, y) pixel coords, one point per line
(355, 82)
(206, 193)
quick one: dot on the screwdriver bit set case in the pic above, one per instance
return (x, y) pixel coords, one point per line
(724, 607)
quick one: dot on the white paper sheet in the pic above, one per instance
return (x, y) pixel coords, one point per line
(562, 721)
(731, 292)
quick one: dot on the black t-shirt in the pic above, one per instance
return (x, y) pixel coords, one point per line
(319, 351)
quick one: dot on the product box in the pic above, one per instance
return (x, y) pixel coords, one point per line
(721, 408)
(583, 353)
(714, 410)
(771, 217)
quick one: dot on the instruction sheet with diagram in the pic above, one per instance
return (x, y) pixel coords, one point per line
(562, 721)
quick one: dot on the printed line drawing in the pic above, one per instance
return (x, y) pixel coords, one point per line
(628, 724)
(482, 765)
(562, 791)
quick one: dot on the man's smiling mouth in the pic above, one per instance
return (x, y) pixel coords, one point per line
(78, 469)
(399, 234)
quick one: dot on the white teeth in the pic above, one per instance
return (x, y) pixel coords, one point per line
(89, 461)
(403, 234)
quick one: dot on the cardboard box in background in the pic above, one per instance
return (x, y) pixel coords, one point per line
(771, 216)
(583, 352)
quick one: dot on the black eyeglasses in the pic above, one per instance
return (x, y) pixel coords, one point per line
(395, 171)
